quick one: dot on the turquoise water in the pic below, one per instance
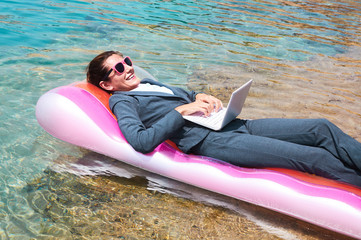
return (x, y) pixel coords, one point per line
(45, 44)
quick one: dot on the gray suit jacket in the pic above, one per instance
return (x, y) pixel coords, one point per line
(147, 119)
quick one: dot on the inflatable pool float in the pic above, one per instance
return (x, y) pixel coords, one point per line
(79, 114)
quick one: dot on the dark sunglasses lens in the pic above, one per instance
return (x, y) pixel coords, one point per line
(119, 67)
(128, 61)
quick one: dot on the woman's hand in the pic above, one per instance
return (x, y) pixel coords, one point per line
(214, 103)
(204, 103)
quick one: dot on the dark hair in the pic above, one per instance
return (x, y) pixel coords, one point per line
(96, 69)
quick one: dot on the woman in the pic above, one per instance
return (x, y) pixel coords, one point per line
(150, 112)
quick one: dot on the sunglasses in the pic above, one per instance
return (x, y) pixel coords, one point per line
(119, 67)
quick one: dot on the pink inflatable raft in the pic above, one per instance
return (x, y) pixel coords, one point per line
(79, 114)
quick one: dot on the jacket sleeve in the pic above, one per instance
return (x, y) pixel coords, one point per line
(144, 139)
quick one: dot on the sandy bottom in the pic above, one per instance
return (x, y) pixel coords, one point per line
(146, 206)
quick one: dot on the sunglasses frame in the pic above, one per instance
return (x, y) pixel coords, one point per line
(114, 67)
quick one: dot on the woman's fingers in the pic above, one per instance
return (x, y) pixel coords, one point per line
(218, 104)
(204, 103)
(214, 103)
(194, 107)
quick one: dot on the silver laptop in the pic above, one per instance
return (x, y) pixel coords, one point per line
(217, 120)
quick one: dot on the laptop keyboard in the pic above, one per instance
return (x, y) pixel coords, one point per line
(214, 118)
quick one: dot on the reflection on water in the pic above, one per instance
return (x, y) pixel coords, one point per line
(303, 55)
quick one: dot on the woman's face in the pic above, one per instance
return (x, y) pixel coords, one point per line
(125, 81)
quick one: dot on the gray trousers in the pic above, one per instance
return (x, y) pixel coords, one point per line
(310, 145)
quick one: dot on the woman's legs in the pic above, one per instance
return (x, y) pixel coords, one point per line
(284, 145)
(311, 132)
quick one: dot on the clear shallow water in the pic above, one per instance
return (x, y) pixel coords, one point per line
(306, 52)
